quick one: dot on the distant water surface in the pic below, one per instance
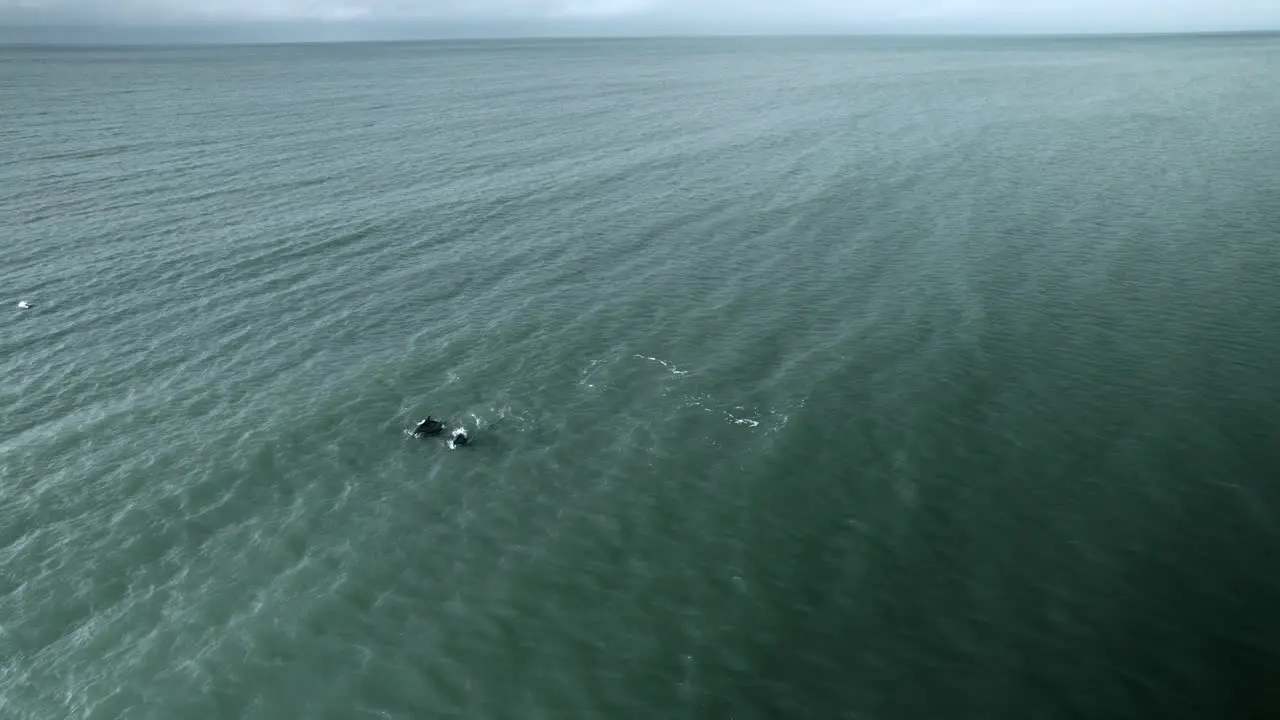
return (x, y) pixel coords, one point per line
(833, 379)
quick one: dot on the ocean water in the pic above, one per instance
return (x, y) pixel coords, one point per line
(833, 379)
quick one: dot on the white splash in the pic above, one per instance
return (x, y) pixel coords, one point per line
(453, 437)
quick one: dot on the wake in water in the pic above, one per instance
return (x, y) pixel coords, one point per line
(737, 415)
(586, 374)
(676, 390)
(463, 433)
(674, 370)
(674, 383)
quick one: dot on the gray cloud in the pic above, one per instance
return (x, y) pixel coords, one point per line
(906, 15)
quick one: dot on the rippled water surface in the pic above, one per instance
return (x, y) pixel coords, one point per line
(807, 379)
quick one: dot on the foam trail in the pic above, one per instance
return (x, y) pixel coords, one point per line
(674, 370)
(588, 372)
(697, 402)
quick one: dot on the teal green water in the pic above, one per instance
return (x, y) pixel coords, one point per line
(807, 379)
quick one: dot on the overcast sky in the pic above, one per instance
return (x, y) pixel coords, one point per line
(693, 15)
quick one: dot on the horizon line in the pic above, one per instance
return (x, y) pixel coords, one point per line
(552, 37)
